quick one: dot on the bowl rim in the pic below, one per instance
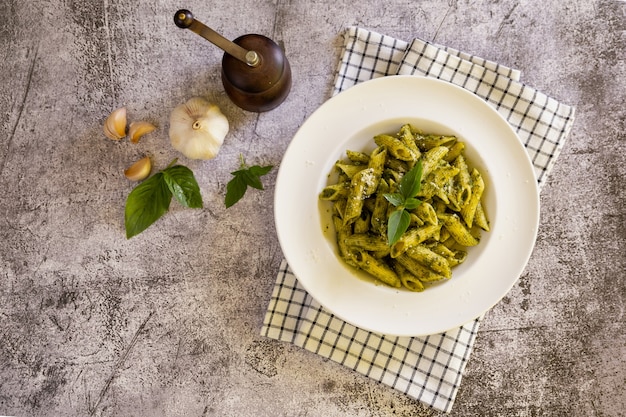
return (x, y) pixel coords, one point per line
(354, 101)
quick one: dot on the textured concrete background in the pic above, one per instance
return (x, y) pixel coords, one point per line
(167, 324)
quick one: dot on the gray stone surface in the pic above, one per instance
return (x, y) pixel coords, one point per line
(167, 323)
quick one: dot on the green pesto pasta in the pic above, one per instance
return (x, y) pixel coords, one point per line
(447, 220)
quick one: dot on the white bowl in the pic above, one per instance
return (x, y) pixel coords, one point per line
(349, 121)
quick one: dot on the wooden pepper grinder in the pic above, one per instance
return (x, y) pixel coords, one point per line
(255, 72)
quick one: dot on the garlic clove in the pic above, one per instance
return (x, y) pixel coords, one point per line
(137, 129)
(198, 128)
(115, 124)
(139, 170)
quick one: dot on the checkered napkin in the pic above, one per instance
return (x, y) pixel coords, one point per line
(429, 368)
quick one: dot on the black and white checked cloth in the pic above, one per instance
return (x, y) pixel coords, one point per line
(429, 368)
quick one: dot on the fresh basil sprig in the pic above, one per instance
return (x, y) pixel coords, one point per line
(404, 200)
(151, 199)
(242, 178)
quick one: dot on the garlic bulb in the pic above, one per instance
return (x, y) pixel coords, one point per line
(198, 129)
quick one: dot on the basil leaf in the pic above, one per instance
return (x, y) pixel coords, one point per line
(260, 171)
(411, 181)
(145, 204)
(253, 175)
(399, 222)
(235, 189)
(183, 186)
(396, 199)
(252, 180)
(242, 178)
(412, 203)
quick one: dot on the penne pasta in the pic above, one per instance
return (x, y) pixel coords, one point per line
(463, 182)
(377, 161)
(350, 170)
(362, 223)
(361, 186)
(395, 146)
(409, 281)
(455, 150)
(433, 141)
(363, 241)
(377, 268)
(441, 221)
(421, 272)
(427, 213)
(408, 138)
(480, 218)
(358, 157)
(379, 213)
(343, 232)
(469, 210)
(458, 231)
(335, 191)
(430, 259)
(413, 237)
(431, 159)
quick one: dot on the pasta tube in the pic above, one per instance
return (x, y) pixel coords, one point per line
(454, 152)
(408, 138)
(377, 161)
(395, 146)
(422, 273)
(426, 213)
(428, 258)
(361, 186)
(362, 223)
(433, 141)
(480, 218)
(463, 183)
(363, 241)
(350, 169)
(409, 281)
(379, 213)
(358, 158)
(377, 268)
(343, 232)
(458, 231)
(335, 191)
(469, 210)
(431, 159)
(413, 237)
